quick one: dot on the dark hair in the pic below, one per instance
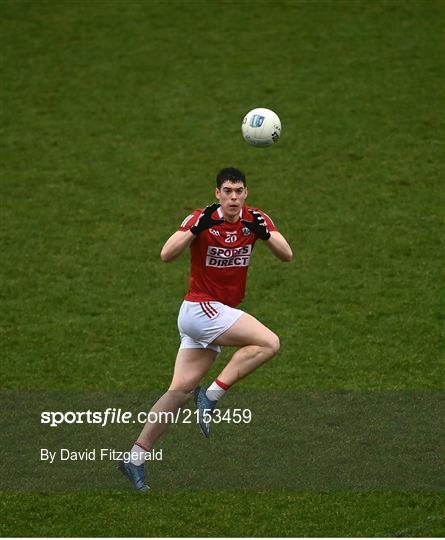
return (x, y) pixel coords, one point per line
(232, 175)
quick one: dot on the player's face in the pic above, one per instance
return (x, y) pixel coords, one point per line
(231, 197)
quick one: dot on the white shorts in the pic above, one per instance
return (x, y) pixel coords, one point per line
(200, 323)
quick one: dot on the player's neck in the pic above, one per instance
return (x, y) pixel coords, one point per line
(231, 219)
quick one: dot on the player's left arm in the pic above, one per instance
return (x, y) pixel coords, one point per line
(279, 246)
(264, 228)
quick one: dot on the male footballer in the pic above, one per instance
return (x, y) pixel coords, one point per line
(221, 238)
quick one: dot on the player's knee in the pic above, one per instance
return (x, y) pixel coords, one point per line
(274, 343)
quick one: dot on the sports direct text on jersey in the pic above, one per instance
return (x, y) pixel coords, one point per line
(227, 257)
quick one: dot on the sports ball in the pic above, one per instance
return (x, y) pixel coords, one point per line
(261, 127)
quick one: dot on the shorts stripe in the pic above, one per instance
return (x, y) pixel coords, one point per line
(211, 309)
(208, 310)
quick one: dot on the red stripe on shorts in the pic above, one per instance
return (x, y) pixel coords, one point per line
(204, 309)
(211, 309)
(208, 310)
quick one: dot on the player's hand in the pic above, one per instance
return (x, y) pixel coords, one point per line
(258, 226)
(205, 220)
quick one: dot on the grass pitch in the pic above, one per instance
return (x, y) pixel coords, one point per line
(116, 117)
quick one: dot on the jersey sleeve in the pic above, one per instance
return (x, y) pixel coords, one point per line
(190, 220)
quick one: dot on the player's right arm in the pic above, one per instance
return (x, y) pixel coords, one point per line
(176, 244)
(192, 225)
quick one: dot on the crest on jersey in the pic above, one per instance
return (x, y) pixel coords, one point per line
(246, 231)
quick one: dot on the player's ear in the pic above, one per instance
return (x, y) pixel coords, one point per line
(217, 193)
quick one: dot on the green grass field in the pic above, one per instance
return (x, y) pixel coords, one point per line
(116, 117)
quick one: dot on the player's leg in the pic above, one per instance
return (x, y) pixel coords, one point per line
(191, 365)
(256, 343)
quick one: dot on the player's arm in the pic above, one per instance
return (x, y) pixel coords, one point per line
(190, 228)
(176, 244)
(276, 242)
(279, 246)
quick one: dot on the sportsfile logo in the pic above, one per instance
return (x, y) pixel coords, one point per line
(228, 257)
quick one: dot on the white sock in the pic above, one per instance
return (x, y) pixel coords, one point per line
(137, 454)
(216, 390)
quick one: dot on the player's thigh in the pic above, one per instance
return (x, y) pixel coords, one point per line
(190, 366)
(248, 331)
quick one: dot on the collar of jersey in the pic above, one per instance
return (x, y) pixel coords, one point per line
(220, 214)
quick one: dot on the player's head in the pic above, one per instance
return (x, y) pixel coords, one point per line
(231, 192)
(230, 174)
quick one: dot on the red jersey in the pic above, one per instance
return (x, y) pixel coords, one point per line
(220, 258)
